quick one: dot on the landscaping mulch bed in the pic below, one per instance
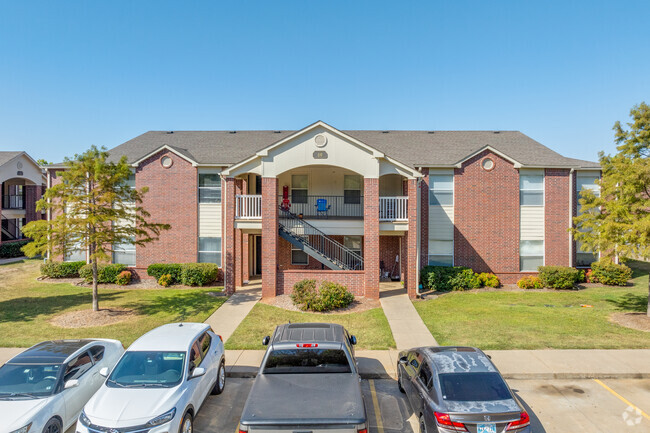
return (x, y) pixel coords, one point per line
(359, 304)
(638, 321)
(90, 318)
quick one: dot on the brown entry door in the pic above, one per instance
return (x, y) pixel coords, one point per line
(258, 255)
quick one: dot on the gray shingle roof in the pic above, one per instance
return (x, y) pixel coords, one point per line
(414, 148)
(6, 156)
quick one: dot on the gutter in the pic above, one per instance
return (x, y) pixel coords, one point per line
(571, 188)
(419, 237)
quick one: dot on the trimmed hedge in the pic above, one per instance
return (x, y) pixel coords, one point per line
(123, 278)
(609, 273)
(489, 280)
(61, 269)
(106, 274)
(12, 249)
(446, 278)
(188, 274)
(530, 282)
(331, 296)
(558, 277)
(465, 280)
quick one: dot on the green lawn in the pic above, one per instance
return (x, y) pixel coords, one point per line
(27, 305)
(539, 320)
(370, 327)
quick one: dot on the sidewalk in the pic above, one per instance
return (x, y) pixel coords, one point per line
(227, 318)
(12, 260)
(408, 328)
(513, 364)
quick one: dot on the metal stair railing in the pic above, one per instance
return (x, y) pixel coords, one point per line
(312, 237)
(10, 229)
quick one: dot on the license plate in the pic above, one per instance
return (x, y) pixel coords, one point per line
(486, 428)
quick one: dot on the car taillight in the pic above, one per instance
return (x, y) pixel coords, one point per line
(307, 345)
(524, 421)
(365, 430)
(220, 338)
(443, 420)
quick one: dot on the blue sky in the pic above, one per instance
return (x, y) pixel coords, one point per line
(77, 73)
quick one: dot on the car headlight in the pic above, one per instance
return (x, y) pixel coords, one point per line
(162, 419)
(23, 429)
(83, 419)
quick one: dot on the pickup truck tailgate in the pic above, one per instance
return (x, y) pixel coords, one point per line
(311, 401)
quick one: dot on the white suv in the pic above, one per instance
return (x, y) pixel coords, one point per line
(159, 383)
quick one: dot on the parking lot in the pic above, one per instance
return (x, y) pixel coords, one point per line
(555, 406)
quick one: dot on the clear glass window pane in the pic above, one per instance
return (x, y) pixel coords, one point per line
(352, 182)
(351, 196)
(299, 257)
(352, 242)
(441, 198)
(439, 260)
(531, 198)
(441, 247)
(299, 196)
(209, 195)
(530, 263)
(441, 182)
(124, 257)
(206, 257)
(531, 182)
(531, 248)
(209, 179)
(209, 244)
(131, 180)
(299, 181)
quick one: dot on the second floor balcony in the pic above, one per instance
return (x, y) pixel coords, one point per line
(324, 207)
(13, 201)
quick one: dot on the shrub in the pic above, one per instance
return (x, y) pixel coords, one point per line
(582, 276)
(558, 277)
(607, 272)
(123, 278)
(529, 282)
(157, 270)
(589, 278)
(304, 294)
(439, 277)
(489, 279)
(465, 280)
(105, 273)
(12, 249)
(165, 280)
(330, 296)
(61, 269)
(198, 274)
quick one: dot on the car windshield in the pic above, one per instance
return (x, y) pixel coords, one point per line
(148, 369)
(473, 387)
(28, 380)
(307, 361)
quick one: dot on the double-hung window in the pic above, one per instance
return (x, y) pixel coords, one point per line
(531, 190)
(531, 255)
(352, 185)
(210, 250)
(441, 229)
(586, 182)
(124, 253)
(209, 188)
(441, 191)
(353, 243)
(298, 256)
(299, 188)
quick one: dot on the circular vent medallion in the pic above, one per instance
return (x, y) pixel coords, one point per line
(320, 140)
(166, 161)
(487, 164)
(19, 165)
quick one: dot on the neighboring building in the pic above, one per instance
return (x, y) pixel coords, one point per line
(364, 204)
(23, 183)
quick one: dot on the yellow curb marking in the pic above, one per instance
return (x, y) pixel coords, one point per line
(645, 415)
(375, 405)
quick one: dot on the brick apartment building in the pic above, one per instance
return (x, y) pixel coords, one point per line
(22, 182)
(354, 206)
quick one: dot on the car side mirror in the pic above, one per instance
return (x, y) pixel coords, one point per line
(353, 340)
(266, 340)
(104, 372)
(402, 360)
(72, 383)
(197, 372)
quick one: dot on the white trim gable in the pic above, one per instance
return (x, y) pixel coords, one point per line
(161, 148)
(516, 163)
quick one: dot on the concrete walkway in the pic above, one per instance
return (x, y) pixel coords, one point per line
(12, 260)
(408, 328)
(227, 318)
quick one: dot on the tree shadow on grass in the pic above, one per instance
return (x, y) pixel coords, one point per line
(631, 302)
(28, 308)
(179, 306)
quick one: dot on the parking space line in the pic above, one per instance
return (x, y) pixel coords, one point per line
(645, 415)
(375, 405)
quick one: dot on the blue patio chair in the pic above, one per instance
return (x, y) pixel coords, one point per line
(322, 207)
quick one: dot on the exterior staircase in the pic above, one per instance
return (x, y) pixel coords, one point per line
(317, 244)
(10, 230)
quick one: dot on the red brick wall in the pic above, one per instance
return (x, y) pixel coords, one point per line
(228, 237)
(353, 280)
(32, 195)
(371, 237)
(556, 217)
(269, 236)
(388, 249)
(284, 256)
(424, 218)
(486, 217)
(172, 199)
(410, 282)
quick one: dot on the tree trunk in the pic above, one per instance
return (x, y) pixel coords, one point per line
(648, 312)
(95, 292)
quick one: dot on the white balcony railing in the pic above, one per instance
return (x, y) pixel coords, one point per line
(248, 207)
(393, 208)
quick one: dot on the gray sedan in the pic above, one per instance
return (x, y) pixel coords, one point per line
(458, 389)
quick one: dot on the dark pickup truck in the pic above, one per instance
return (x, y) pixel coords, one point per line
(308, 383)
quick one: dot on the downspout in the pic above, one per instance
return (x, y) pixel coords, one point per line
(418, 240)
(571, 188)
(49, 212)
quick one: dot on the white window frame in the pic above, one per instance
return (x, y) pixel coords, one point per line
(543, 241)
(433, 190)
(209, 188)
(356, 251)
(441, 255)
(123, 250)
(360, 188)
(218, 251)
(524, 190)
(596, 191)
(292, 189)
(294, 248)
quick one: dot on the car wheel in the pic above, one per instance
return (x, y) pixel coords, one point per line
(423, 426)
(187, 425)
(221, 380)
(399, 381)
(53, 426)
